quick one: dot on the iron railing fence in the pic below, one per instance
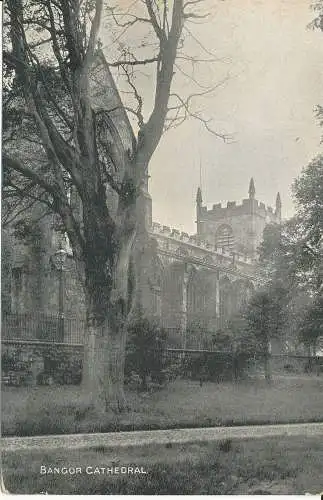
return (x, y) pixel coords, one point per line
(39, 326)
(199, 339)
(31, 327)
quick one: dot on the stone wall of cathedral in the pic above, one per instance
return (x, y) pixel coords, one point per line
(185, 284)
(192, 285)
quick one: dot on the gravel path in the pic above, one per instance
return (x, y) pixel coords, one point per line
(140, 438)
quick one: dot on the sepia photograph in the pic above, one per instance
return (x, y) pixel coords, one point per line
(162, 247)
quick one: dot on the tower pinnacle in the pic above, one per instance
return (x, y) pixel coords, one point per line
(252, 190)
(278, 206)
(199, 196)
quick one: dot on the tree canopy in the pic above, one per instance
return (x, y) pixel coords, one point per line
(292, 255)
(69, 145)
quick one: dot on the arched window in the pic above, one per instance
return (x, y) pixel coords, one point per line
(155, 281)
(224, 237)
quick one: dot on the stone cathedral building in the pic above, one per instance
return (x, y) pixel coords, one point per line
(196, 283)
(192, 284)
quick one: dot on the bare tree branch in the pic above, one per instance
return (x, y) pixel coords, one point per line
(138, 98)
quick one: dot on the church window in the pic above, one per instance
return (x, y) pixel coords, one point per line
(224, 237)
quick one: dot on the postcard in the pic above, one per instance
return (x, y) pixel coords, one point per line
(162, 276)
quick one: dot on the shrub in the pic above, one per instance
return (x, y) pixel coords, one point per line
(225, 445)
(63, 366)
(145, 353)
(7, 362)
(216, 366)
(289, 368)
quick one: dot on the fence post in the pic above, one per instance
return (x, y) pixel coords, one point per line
(267, 360)
(235, 367)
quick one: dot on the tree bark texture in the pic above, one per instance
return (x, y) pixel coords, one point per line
(108, 309)
(103, 369)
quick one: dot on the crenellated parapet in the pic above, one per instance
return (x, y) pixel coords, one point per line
(232, 209)
(238, 227)
(180, 245)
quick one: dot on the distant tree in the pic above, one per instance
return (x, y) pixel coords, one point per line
(311, 327)
(265, 317)
(308, 192)
(292, 255)
(242, 339)
(286, 255)
(271, 243)
(317, 7)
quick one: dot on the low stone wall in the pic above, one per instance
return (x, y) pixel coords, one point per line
(296, 364)
(45, 363)
(289, 364)
(31, 363)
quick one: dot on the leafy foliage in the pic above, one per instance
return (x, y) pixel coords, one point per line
(317, 23)
(265, 315)
(292, 257)
(145, 352)
(308, 191)
(287, 256)
(311, 327)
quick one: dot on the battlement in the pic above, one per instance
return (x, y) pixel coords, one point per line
(248, 206)
(195, 241)
(232, 209)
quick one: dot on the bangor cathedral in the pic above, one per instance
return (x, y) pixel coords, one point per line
(196, 283)
(191, 284)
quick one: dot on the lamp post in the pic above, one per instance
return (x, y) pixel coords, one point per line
(59, 259)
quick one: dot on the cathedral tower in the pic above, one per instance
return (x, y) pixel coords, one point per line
(236, 227)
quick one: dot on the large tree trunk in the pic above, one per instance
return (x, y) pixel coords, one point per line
(108, 311)
(103, 368)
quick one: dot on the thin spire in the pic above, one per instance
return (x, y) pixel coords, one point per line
(199, 196)
(199, 189)
(278, 207)
(252, 189)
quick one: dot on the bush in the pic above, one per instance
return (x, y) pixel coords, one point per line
(216, 366)
(64, 367)
(145, 353)
(289, 368)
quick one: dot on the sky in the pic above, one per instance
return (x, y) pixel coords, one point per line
(272, 64)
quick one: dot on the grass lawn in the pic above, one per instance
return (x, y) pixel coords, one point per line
(55, 410)
(260, 466)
